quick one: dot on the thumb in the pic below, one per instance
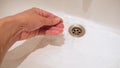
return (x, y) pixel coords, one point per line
(52, 21)
(43, 22)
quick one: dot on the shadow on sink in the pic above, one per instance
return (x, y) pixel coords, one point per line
(16, 56)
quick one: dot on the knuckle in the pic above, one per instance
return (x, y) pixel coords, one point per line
(34, 8)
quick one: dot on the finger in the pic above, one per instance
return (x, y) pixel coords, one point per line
(49, 15)
(31, 34)
(60, 30)
(44, 13)
(56, 28)
(52, 19)
(54, 31)
(60, 25)
(50, 22)
(24, 35)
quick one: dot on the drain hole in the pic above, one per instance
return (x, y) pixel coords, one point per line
(77, 30)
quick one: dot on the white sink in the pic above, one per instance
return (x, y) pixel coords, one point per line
(98, 48)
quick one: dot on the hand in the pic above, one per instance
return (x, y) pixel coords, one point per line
(25, 25)
(38, 22)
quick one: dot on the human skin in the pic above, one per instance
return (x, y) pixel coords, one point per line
(27, 24)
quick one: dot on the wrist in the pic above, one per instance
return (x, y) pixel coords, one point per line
(8, 27)
(9, 31)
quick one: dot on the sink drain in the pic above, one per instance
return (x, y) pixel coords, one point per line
(77, 30)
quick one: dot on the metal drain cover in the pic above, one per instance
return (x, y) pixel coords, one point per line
(76, 30)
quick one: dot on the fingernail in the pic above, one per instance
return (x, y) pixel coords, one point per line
(58, 20)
